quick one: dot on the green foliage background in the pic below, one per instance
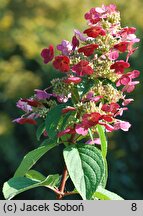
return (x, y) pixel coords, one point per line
(26, 26)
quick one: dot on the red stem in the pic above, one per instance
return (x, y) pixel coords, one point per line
(62, 185)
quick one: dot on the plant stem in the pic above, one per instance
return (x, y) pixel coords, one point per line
(62, 185)
(55, 190)
(64, 175)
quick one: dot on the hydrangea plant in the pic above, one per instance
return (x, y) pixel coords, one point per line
(79, 109)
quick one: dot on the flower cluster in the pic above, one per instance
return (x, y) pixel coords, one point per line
(95, 65)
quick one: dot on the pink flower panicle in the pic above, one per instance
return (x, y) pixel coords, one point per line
(95, 77)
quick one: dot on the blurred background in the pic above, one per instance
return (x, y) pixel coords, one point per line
(27, 26)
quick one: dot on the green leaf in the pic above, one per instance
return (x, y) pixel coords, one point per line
(35, 175)
(32, 157)
(53, 119)
(105, 176)
(104, 194)
(52, 181)
(40, 131)
(86, 168)
(64, 120)
(75, 95)
(90, 134)
(85, 86)
(102, 136)
(18, 185)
